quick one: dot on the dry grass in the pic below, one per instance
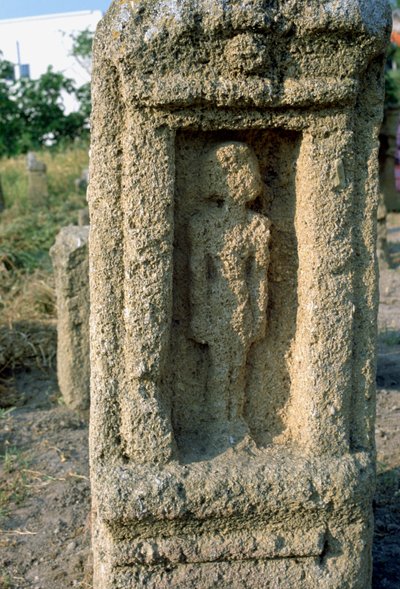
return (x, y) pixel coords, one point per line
(62, 169)
(27, 231)
(28, 344)
(27, 299)
(28, 335)
(27, 296)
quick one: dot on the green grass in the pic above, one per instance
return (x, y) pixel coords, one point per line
(27, 231)
(13, 460)
(4, 413)
(14, 485)
(5, 579)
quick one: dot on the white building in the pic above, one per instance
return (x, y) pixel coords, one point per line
(40, 41)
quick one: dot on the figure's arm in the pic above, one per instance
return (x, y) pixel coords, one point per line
(258, 286)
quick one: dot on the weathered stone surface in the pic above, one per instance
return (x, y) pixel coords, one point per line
(233, 205)
(71, 270)
(37, 180)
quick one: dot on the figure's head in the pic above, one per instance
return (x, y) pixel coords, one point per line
(230, 171)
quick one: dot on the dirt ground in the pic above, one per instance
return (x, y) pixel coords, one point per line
(44, 492)
(44, 485)
(387, 497)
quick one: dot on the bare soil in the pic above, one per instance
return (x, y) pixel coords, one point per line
(44, 485)
(387, 497)
(44, 491)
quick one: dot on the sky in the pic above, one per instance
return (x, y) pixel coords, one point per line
(21, 8)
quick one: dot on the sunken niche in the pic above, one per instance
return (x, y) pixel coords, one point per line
(234, 288)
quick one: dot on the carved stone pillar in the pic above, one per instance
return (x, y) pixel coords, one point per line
(233, 195)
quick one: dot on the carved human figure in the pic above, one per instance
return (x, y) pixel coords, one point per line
(229, 261)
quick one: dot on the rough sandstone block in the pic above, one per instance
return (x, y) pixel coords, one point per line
(71, 270)
(233, 206)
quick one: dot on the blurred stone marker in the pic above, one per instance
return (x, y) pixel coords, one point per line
(83, 217)
(82, 182)
(70, 262)
(233, 293)
(38, 191)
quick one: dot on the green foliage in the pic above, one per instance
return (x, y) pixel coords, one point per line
(42, 111)
(32, 112)
(84, 96)
(10, 122)
(392, 76)
(82, 51)
(82, 48)
(392, 88)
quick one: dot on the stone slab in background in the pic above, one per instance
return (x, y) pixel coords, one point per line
(82, 182)
(71, 270)
(83, 217)
(38, 191)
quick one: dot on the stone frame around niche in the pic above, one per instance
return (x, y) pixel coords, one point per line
(311, 405)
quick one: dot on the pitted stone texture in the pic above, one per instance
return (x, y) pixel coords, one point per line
(71, 270)
(233, 205)
(235, 53)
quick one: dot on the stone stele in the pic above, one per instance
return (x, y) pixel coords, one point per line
(38, 191)
(233, 204)
(71, 271)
